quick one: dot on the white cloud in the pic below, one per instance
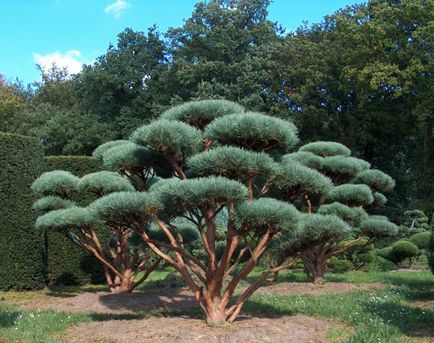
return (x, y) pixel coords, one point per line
(71, 60)
(117, 8)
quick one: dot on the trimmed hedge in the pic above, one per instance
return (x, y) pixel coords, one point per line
(77, 165)
(67, 263)
(22, 264)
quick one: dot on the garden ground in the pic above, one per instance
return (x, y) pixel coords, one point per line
(353, 307)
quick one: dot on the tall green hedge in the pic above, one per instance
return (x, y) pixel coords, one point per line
(67, 263)
(22, 264)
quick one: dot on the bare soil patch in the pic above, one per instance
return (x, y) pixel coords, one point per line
(294, 329)
(168, 299)
(307, 288)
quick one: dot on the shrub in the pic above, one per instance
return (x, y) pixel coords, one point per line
(402, 250)
(339, 266)
(422, 239)
(21, 247)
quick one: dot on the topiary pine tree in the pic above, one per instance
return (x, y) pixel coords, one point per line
(404, 250)
(415, 221)
(337, 188)
(123, 258)
(197, 163)
(215, 158)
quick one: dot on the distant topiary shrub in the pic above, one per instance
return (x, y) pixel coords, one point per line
(402, 250)
(421, 239)
(67, 263)
(21, 247)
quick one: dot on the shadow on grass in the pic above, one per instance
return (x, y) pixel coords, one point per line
(7, 319)
(408, 280)
(411, 321)
(72, 291)
(262, 310)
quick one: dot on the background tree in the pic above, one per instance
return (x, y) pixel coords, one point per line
(122, 87)
(11, 107)
(333, 193)
(414, 221)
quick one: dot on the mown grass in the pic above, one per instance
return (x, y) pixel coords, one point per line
(386, 315)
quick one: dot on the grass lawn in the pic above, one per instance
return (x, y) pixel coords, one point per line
(398, 313)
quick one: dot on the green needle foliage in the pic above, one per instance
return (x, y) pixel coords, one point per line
(376, 179)
(173, 139)
(73, 217)
(355, 195)
(200, 113)
(344, 166)
(104, 182)
(322, 179)
(127, 156)
(294, 180)
(348, 214)
(124, 208)
(253, 131)
(325, 149)
(305, 158)
(266, 213)
(51, 203)
(179, 196)
(56, 182)
(378, 228)
(100, 150)
(233, 163)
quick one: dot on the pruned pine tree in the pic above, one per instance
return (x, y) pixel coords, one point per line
(333, 189)
(126, 261)
(415, 221)
(214, 159)
(208, 160)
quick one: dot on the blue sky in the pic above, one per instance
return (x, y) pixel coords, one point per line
(73, 32)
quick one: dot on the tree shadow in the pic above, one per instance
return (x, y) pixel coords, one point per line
(411, 321)
(263, 310)
(167, 302)
(7, 319)
(72, 291)
(403, 280)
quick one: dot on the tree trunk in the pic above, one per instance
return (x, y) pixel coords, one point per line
(317, 269)
(123, 285)
(215, 312)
